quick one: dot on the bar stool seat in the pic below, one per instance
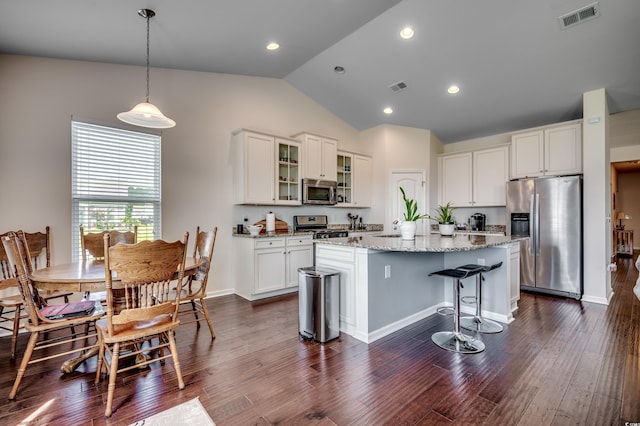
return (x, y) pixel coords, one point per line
(477, 323)
(455, 341)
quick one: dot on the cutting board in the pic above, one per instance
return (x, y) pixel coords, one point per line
(281, 226)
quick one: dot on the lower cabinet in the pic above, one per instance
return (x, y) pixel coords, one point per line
(268, 266)
(514, 275)
(342, 259)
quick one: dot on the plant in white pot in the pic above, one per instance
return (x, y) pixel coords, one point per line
(445, 219)
(411, 215)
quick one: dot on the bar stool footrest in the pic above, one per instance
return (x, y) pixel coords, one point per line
(445, 310)
(480, 325)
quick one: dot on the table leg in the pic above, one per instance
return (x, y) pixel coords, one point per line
(70, 365)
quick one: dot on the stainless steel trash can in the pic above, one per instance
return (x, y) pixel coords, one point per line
(319, 303)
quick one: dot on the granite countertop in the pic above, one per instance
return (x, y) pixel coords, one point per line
(423, 243)
(373, 227)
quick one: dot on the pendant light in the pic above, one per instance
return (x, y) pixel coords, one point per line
(146, 114)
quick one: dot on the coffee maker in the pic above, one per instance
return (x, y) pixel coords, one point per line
(477, 221)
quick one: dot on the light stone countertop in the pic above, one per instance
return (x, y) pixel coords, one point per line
(422, 243)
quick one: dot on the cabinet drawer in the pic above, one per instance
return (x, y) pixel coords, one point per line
(304, 240)
(269, 243)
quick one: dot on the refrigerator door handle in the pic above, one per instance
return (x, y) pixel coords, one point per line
(537, 225)
(532, 226)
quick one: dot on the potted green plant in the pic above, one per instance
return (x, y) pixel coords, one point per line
(445, 219)
(411, 215)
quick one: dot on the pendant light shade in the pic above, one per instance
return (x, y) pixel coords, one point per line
(146, 114)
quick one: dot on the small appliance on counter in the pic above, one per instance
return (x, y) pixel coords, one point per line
(477, 221)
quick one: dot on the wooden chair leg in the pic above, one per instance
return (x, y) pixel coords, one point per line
(101, 362)
(113, 372)
(176, 361)
(195, 313)
(25, 362)
(16, 329)
(205, 311)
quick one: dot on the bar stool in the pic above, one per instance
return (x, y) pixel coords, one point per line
(477, 323)
(455, 341)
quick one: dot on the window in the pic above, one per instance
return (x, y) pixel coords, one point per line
(115, 181)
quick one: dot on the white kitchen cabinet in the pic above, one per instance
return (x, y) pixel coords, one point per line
(514, 275)
(342, 259)
(268, 266)
(319, 156)
(547, 151)
(354, 180)
(299, 255)
(253, 158)
(288, 166)
(474, 179)
(267, 169)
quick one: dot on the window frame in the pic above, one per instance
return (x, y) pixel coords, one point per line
(116, 172)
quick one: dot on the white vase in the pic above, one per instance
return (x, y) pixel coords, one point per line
(408, 230)
(446, 229)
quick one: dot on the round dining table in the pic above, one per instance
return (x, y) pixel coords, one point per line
(85, 276)
(81, 277)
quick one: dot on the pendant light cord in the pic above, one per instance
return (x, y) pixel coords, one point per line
(148, 17)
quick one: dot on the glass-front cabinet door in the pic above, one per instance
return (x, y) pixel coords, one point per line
(288, 173)
(345, 183)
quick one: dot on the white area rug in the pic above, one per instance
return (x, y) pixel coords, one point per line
(190, 413)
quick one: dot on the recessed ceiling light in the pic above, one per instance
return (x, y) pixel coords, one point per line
(406, 33)
(453, 89)
(388, 110)
(339, 70)
(273, 46)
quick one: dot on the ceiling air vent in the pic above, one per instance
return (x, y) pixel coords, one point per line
(579, 16)
(396, 87)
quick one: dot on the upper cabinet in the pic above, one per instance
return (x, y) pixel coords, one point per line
(474, 179)
(267, 169)
(319, 156)
(547, 151)
(354, 180)
(288, 166)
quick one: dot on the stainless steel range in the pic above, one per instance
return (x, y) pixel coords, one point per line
(318, 225)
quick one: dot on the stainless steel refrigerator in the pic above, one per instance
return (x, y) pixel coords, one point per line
(549, 211)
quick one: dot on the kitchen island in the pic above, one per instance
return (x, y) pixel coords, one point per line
(385, 283)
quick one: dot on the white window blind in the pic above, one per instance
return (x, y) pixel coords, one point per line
(115, 181)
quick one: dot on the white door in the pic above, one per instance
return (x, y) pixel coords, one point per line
(414, 185)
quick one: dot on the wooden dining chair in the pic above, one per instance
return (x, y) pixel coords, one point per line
(194, 290)
(140, 306)
(50, 338)
(92, 244)
(11, 306)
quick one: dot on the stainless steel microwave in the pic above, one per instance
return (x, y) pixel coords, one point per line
(316, 191)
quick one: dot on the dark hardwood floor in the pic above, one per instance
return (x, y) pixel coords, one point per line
(561, 362)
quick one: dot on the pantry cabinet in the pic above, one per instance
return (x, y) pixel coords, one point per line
(474, 179)
(269, 265)
(547, 151)
(319, 156)
(267, 169)
(354, 180)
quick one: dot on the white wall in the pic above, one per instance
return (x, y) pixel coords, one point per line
(39, 96)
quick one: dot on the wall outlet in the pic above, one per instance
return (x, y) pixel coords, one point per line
(480, 261)
(387, 271)
(612, 267)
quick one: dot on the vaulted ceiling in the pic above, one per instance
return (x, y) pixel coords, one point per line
(515, 66)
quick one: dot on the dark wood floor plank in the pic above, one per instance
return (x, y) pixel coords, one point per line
(561, 362)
